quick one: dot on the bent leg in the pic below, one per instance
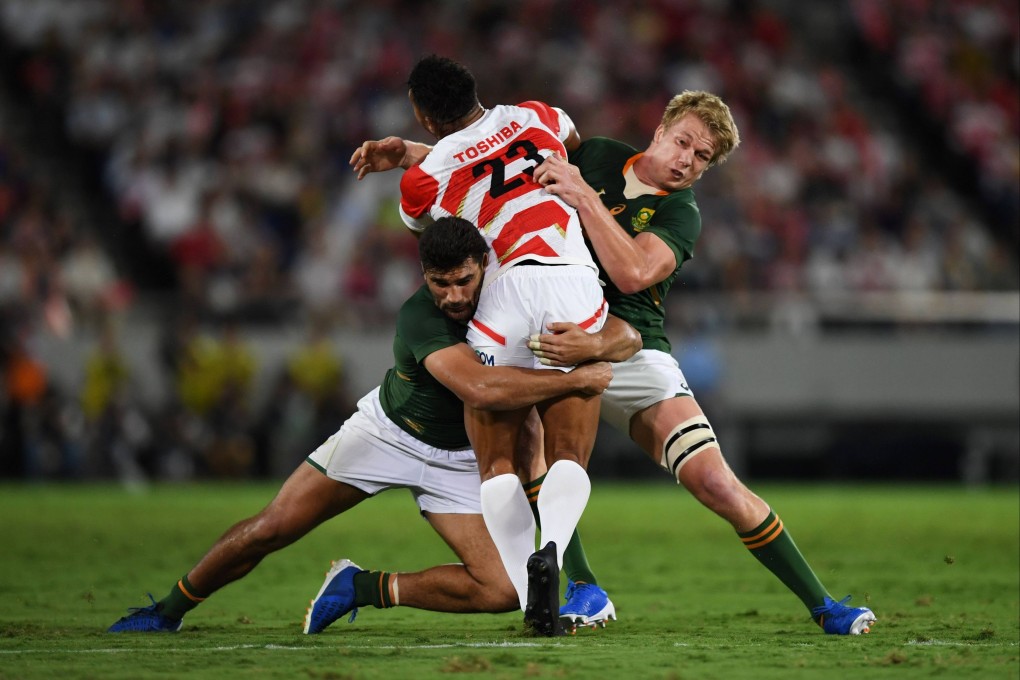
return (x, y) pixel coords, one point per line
(305, 500)
(478, 584)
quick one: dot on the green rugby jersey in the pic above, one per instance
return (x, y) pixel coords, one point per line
(414, 400)
(674, 217)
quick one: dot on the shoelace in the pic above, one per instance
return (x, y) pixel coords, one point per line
(151, 607)
(826, 608)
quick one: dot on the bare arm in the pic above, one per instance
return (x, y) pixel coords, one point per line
(388, 153)
(503, 388)
(567, 344)
(633, 264)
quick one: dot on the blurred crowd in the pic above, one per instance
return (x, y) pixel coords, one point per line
(213, 421)
(960, 62)
(218, 135)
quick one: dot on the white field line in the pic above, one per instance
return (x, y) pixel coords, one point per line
(452, 645)
(229, 648)
(953, 643)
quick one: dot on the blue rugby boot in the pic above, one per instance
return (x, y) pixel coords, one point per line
(146, 620)
(836, 618)
(587, 605)
(335, 598)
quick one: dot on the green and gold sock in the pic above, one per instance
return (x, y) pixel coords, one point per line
(531, 490)
(181, 599)
(575, 562)
(373, 588)
(773, 546)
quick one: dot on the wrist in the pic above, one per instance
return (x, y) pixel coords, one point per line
(589, 207)
(415, 153)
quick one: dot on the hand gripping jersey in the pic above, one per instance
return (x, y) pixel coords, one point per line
(483, 174)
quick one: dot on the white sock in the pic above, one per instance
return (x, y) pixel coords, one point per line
(564, 494)
(508, 518)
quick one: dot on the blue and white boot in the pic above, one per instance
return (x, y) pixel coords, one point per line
(836, 618)
(587, 605)
(335, 598)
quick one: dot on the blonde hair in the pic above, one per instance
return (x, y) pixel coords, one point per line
(713, 112)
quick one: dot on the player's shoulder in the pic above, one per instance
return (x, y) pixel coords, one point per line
(420, 181)
(678, 206)
(607, 144)
(534, 105)
(545, 113)
(602, 150)
(681, 200)
(417, 309)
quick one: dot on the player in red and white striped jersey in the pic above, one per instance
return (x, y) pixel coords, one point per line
(539, 271)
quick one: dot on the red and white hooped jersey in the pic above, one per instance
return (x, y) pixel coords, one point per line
(483, 174)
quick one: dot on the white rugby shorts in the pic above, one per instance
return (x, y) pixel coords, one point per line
(648, 377)
(371, 453)
(522, 300)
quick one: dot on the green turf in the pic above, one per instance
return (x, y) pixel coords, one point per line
(940, 567)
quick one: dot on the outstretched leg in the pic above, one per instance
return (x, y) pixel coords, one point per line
(675, 431)
(305, 500)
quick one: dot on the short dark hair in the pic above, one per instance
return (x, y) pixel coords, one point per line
(449, 243)
(443, 89)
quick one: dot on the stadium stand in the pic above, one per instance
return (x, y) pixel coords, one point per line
(197, 152)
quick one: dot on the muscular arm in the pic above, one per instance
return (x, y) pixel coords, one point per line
(503, 388)
(633, 264)
(568, 344)
(388, 153)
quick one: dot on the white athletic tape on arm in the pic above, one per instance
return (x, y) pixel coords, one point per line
(687, 440)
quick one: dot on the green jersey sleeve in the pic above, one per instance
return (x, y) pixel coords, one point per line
(677, 221)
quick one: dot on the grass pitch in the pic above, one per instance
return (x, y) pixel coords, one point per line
(939, 565)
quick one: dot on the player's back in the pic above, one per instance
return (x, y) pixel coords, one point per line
(483, 173)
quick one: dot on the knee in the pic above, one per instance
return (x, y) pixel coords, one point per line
(574, 456)
(715, 486)
(502, 598)
(494, 593)
(266, 532)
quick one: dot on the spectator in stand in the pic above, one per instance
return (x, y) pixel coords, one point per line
(117, 432)
(90, 280)
(273, 131)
